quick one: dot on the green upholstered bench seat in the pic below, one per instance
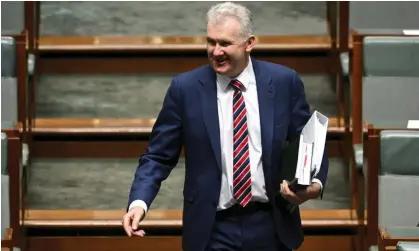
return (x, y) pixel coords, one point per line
(8, 57)
(5, 205)
(390, 83)
(398, 183)
(407, 246)
(406, 232)
(373, 248)
(399, 153)
(9, 88)
(8, 80)
(388, 102)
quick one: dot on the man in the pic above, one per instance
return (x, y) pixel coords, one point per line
(232, 117)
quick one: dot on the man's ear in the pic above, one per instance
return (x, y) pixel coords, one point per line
(250, 43)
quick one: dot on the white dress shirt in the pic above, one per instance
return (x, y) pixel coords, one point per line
(225, 112)
(225, 115)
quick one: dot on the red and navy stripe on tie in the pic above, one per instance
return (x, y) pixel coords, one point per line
(242, 183)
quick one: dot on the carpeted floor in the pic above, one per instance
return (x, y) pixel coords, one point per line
(135, 96)
(174, 18)
(105, 183)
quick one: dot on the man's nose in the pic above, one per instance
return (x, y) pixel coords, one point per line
(218, 51)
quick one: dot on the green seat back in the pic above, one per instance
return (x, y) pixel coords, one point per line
(391, 56)
(5, 202)
(9, 101)
(390, 101)
(399, 178)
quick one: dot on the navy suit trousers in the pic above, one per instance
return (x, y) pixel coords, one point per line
(248, 231)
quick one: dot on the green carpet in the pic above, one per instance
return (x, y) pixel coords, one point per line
(105, 183)
(174, 18)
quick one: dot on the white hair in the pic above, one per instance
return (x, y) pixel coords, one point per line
(220, 12)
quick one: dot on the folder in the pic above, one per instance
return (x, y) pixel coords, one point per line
(301, 158)
(289, 163)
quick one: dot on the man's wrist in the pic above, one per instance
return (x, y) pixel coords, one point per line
(314, 190)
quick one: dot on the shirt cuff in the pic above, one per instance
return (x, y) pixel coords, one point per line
(138, 203)
(318, 181)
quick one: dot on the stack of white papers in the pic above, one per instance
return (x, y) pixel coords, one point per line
(311, 148)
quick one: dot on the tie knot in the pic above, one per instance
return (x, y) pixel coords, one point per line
(237, 85)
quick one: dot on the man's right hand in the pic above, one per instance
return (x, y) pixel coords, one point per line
(131, 221)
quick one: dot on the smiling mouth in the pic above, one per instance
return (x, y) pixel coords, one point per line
(221, 62)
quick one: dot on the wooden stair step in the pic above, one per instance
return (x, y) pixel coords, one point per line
(174, 43)
(158, 218)
(118, 138)
(92, 126)
(166, 54)
(112, 126)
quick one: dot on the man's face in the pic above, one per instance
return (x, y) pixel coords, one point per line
(228, 51)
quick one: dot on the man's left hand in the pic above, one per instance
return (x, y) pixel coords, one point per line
(311, 192)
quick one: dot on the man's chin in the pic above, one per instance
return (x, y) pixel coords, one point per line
(222, 69)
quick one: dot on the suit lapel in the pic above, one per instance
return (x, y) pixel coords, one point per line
(266, 94)
(208, 94)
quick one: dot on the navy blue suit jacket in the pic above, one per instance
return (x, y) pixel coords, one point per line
(189, 118)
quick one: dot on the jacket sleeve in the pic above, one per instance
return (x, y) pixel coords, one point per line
(163, 151)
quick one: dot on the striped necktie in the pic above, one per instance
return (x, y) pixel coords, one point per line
(242, 184)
